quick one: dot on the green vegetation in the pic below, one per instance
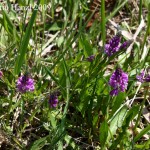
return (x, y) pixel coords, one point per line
(74, 75)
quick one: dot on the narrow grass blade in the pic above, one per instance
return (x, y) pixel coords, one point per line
(144, 131)
(8, 25)
(103, 22)
(103, 133)
(24, 44)
(116, 10)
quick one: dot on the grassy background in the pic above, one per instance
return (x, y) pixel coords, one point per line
(52, 44)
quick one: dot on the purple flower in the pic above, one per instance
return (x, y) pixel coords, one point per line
(25, 84)
(114, 92)
(147, 78)
(1, 74)
(125, 45)
(91, 58)
(118, 81)
(113, 45)
(140, 77)
(53, 101)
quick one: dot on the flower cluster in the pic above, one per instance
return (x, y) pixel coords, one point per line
(113, 46)
(147, 78)
(118, 81)
(25, 84)
(53, 101)
(125, 45)
(141, 77)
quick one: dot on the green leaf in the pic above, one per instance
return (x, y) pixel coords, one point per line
(60, 41)
(130, 115)
(52, 120)
(38, 144)
(103, 133)
(61, 72)
(57, 137)
(24, 44)
(144, 131)
(69, 140)
(122, 134)
(133, 111)
(119, 99)
(145, 145)
(9, 26)
(86, 46)
(60, 145)
(103, 26)
(117, 121)
(51, 74)
(146, 3)
(55, 27)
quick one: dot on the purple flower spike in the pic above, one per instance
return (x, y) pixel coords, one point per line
(140, 77)
(113, 45)
(25, 84)
(91, 58)
(53, 101)
(147, 78)
(118, 81)
(125, 45)
(114, 92)
(1, 74)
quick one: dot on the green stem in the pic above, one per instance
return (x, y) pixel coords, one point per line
(62, 127)
(103, 21)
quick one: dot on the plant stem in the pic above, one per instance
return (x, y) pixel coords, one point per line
(103, 21)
